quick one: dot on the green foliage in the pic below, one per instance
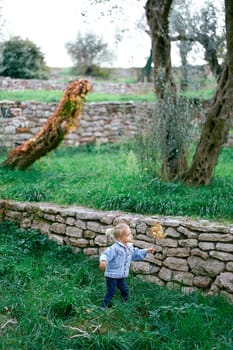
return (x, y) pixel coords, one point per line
(98, 72)
(88, 51)
(109, 177)
(22, 59)
(46, 303)
(69, 108)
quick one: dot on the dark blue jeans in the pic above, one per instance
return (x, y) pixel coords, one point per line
(112, 284)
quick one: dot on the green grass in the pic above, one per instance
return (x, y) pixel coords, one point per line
(203, 93)
(55, 95)
(50, 297)
(48, 96)
(105, 177)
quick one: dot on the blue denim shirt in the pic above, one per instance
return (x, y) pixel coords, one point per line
(119, 257)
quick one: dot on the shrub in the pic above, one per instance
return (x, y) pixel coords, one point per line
(22, 59)
(178, 119)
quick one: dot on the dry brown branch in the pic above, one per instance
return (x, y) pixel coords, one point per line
(53, 132)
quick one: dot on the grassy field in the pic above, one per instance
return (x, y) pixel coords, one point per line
(105, 177)
(55, 96)
(50, 297)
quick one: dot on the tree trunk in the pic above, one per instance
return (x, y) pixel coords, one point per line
(218, 118)
(157, 13)
(53, 132)
(146, 70)
(184, 48)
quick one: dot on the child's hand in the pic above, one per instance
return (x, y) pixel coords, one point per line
(151, 250)
(103, 265)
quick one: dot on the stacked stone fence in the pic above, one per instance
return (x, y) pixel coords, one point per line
(194, 255)
(55, 84)
(100, 122)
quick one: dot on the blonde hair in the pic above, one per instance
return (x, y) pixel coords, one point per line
(118, 231)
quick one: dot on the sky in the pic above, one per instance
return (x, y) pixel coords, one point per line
(52, 23)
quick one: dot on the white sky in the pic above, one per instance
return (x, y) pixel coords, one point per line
(52, 23)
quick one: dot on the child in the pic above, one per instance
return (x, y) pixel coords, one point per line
(115, 261)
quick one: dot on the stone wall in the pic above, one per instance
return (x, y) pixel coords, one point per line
(195, 254)
(100, 122)
(54, 84)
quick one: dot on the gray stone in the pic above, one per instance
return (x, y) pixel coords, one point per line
(141, 244)
(58, 239)
(69, 212)
(167, 242)
(96, 227)
(17, 206)
(26, 223)
(215, 237)
(140, 267)
(101, 240)
(44, 227)
(206, 245)
(202, 281)
(176, 264)
(185, 278)
(50, 217)
(74, 232)
(178, 252)
(59, 218)
(89, 234)
(187, 233)
(108, 218)
(225, 247)
(202, 267)
(146, 238)
(80, 224)
(192, 243)
(200, 253)
(229, 266)
(58, 228)
(87, 214)
(225, 281)
(78, 242)
(170, 222)
(70, 221)
(90, 251)
(48, 208)
(165, 274)
(206, 226)
(141, 227)
(153, 279)
(221, 255)
(171, 232)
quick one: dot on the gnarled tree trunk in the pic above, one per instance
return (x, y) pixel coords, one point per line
(217, 123)
(53, 132)
(157, 14)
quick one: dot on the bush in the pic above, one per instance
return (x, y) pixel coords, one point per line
(22, 59)
(173, 127)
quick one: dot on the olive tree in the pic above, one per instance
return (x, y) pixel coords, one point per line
(87, 51)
